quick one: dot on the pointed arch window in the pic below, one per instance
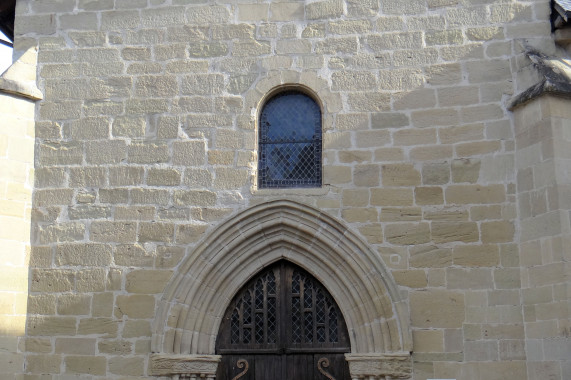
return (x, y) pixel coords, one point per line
(290, 143)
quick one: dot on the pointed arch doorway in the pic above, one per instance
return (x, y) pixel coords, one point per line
(191, 311)
(283, 324)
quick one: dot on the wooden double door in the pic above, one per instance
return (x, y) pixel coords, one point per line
(283, 325)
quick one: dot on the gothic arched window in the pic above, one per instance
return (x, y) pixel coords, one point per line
(290, 142)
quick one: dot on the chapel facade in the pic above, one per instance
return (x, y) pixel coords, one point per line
(308, 189)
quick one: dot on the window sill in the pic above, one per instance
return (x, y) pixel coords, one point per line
(308, 191)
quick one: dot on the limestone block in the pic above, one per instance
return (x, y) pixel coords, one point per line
(62, 232)
(414, 99)
(435, 117)
(391, 197)
(401, 79)
(60, 153)
(38, 345)
(400, 214)
(481, 350)
(199, 15)
(90, 280)
(443, 232)
(477, 148)
(136, 328)
(455, 134)
(117, 232)
(474, 278)
(466, 170)
(150, 196)
(129, 126)
(372, 139)
(430, 257)
(93, 365)
(497, 232)
(127, 366)
(126, 175)
(361, 215)
(114, 196)
(376, 102)
(476, 255)
(394, 41)
(348, 157)
(328, 9)
(49, 197)
(44, 304)
(355, 197)
(115, 347)
(411, 278)
(437, 308)
(346, 45)
(373, 233)
(428, 340)
(428, 195)
(189, 153)
(83, 254)
(102, 304)
(475, 194)
(189, 233)
(74, 304)
(507, 278)
(400, 175)
(407, 233)
(353, 81)
(133, 255)
(50, 326)
(41, 24)
(444, 74)
(147, 281)
(39, 364)
(104, 327)
(156, 231)
(87, 176)
(163, 177)
(197, 178)
(414, 136)
(366, 175)
(349, 26)
(135, 306)
(148, 153)
(105, 152)
(230, 178)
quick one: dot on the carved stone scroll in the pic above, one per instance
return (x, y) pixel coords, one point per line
(200, 366)
(380, 366)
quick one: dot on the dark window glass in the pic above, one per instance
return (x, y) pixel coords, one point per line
(290, 142)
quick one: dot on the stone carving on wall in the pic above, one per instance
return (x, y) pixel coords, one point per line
(379, 366)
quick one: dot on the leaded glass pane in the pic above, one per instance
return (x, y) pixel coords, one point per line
(290, 142)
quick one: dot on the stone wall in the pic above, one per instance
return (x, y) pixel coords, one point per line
(146, 143)
(543, 139)
(17, 101)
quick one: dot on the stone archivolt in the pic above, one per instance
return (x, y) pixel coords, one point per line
(194, 302)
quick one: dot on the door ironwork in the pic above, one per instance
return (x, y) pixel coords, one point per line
(283, 325)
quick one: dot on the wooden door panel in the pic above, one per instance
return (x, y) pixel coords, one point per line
(283, 325)
(331, 366)
(299, 367)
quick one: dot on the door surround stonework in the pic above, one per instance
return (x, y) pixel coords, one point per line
(193, 304)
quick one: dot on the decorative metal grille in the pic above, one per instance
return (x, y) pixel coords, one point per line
(284, 306)
(290, 142)
(316, 321)
(257, 303)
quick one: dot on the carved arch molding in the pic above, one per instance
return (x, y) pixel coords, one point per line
(194, 302)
